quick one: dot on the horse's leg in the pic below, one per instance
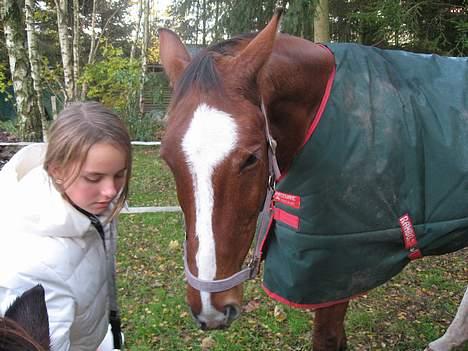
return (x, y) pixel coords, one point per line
(457, 332)
(329, 332)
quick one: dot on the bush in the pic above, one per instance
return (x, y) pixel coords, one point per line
(148, 127)
(114, 81)
(9, 126)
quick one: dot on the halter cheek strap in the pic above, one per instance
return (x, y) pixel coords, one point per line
(252, 269)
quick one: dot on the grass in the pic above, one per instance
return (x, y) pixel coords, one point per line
(404, 314)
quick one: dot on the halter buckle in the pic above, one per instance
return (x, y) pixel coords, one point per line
(271, 182)
(254, 266)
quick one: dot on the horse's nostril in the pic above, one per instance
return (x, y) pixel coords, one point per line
(231, 312)
(202, 325)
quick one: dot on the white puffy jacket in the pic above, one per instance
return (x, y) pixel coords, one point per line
(43, 239)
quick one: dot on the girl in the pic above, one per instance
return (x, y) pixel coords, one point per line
(57, 210)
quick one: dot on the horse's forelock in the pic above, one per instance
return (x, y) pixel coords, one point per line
(201, 74)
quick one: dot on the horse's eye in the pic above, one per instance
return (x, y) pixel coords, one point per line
(249, 162)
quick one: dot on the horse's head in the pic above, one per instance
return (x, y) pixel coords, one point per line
(25, 325)
(216, 147)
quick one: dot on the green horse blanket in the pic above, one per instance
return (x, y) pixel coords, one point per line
(381, 180)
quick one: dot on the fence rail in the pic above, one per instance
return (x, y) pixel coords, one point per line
(25, 143)
(129, 209)
(150, 209)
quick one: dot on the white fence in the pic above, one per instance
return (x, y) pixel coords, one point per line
(128, 209)
(24, 143)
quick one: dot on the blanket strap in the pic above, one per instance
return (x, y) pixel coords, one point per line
(409, 237)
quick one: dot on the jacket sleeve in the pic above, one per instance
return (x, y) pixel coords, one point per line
(59, 300)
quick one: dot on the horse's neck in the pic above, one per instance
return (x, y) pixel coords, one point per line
(292, 84)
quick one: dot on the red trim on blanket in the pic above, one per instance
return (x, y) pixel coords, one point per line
(321, 109)
(323, 104)
(285, 217)
(281, 299)
(409, 236)
(290, 200)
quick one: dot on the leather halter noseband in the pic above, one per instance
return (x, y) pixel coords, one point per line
(253, 267)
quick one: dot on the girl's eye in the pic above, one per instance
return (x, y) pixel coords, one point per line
(92, 179)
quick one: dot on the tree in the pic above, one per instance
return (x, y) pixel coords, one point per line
(28, 117)
(64, 39)
(299, 18)
(92, 49)
(35, 62)
(76, 48)
(137, 29)
(321, 22)
(144, 50)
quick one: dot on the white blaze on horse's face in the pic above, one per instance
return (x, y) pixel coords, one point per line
(210, 138)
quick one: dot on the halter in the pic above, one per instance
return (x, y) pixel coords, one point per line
(253, 267)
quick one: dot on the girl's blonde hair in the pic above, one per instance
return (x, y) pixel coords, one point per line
(80, 126)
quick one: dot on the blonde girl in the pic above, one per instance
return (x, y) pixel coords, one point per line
(57, 213)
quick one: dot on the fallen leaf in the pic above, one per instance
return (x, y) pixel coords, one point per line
(173, 245)
(252, 305)
(279, 313)
(207, 343)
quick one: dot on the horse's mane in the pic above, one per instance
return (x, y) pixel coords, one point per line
(201, 73)
(14, 338)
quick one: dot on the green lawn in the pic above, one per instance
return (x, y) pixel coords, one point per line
(403, 314)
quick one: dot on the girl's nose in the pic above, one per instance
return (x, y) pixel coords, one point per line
(109, 189)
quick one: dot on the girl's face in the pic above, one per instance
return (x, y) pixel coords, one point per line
(101, 178)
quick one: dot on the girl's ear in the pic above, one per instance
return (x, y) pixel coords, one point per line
(56, 173)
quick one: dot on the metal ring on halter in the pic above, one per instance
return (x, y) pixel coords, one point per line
(271, 182)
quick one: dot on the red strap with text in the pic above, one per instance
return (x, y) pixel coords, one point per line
(409, 237)
(290, 200)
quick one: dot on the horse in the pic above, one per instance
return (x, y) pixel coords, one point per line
(25, 325)
(241, 116)
(457, 333)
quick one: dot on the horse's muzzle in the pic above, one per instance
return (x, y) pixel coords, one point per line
(231, 313)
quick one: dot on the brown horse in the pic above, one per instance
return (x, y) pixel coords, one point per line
(25, 326)
(231, 105)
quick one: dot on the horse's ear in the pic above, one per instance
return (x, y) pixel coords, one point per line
(30, 312)
(173, 53)
(257, 52)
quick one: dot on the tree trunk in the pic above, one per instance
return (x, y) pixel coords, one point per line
(144, 52)
(217, 35)
(64, 39)
(204, 19)
(84, 87)
(321, 23)
(137, 32)
(28, 117)
(76, 47)
(35, 62)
